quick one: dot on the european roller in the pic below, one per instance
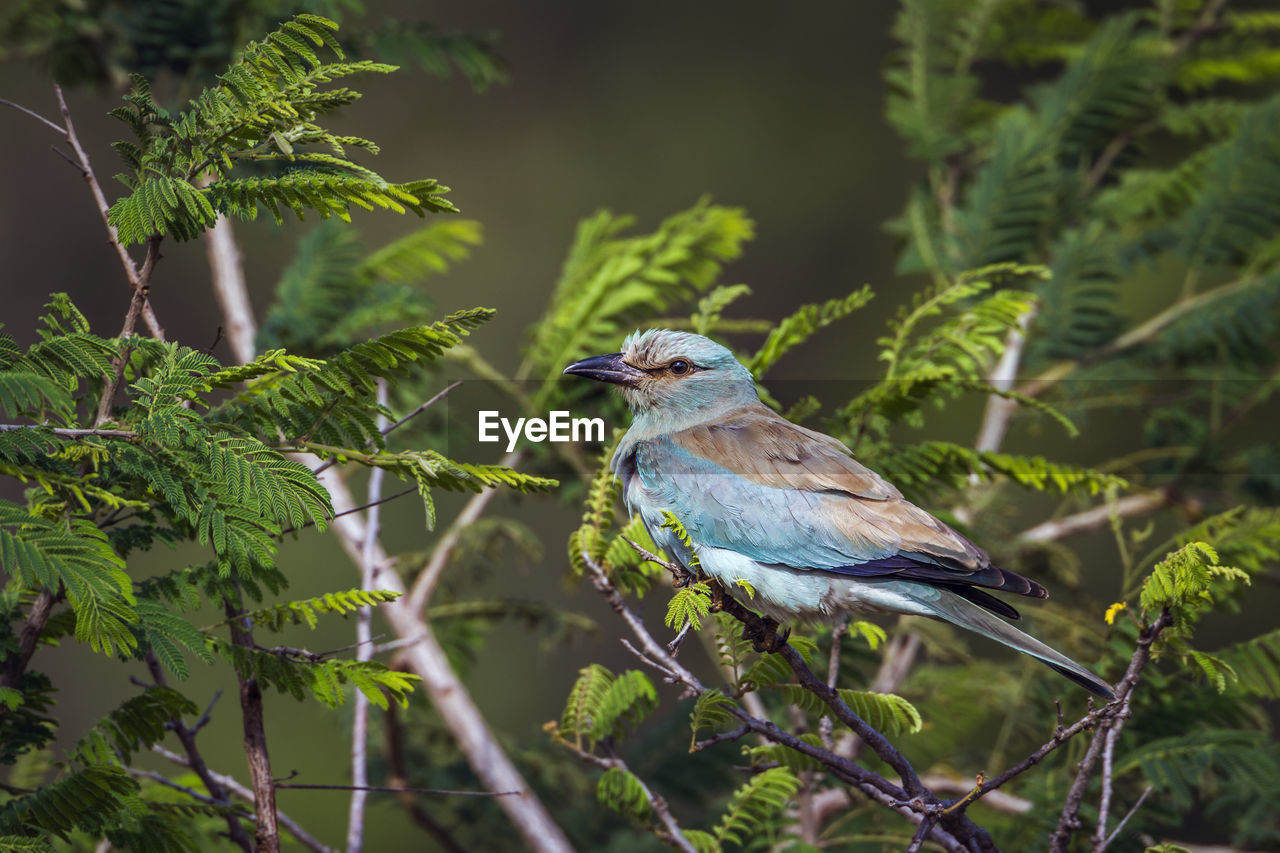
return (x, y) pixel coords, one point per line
(788, 510)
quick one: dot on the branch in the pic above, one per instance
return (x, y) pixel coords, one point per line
(267, 834)
(364, 652)
(135, 277)
(999, 411)
(429, 577)
(136, 304)
(15, 665)
(398, 776)
(1098, 516)
(1069, 822)
(426, 659)
(72, 432)
(291, 826)
(671, 832)
(874, 786)
(225, 264)
(195, 761)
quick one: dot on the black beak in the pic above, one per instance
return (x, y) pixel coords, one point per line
(607, 368)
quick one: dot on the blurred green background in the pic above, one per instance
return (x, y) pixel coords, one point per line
(641, 108)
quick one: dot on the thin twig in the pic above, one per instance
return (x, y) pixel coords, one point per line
(132, 273)
(1120, 826)
(379, 502)
(136, 303)
(671, 832)
(387, 429)
(230, 784)
(61, 131)
(398, 775)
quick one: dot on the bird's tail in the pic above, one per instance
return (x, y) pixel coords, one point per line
(953, 608)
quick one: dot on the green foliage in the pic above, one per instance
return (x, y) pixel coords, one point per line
(72, 554)
(610, 281)
(712, 711)
(90, 799)
(1186, 580)
(690, 604)
(602, 706)
(802, 325)
(621, 791)
(1206, 760)
(302, 674)
(136, 724)
(307, 610)
(264, 109)
(755, 803)
(1256, 664)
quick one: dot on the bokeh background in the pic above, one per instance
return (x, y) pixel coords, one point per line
(638, 107)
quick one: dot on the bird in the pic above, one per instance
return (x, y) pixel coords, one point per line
(784, 517)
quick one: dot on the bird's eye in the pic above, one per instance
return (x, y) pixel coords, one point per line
(679, 367)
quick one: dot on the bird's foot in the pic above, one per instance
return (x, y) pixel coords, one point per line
(717, 598)
(764, 636)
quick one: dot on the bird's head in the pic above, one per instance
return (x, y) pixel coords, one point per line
(675, 375)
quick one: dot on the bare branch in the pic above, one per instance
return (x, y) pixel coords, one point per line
(874, 786)
(385, 789)
(425, 658)
(364, 652)
(72, 433)
(1120, 826)
(1069, 822)
(1098, 516)
(131, 271)
(429, 577)
(136, 303)
(225, 263)
(61, 131)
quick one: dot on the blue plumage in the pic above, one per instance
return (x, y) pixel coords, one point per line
(787, 509)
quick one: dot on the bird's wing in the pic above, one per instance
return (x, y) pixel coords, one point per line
(757, 444)
(784, 495)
